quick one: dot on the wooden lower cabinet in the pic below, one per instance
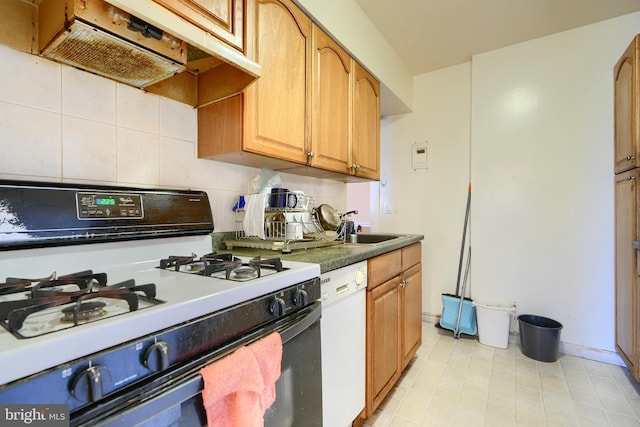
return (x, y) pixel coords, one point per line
(411, 313)
(394, 321)
(383, 355)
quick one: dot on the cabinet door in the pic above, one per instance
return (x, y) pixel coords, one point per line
(277, 108)
(626, 109)
(222, 18)
(366, 125)
(383, 342)
(626, 273)
(411, 312)
(331, 113)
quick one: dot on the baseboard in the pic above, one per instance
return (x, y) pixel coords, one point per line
(598, 355)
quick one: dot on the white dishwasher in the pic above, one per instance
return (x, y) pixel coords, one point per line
(343, 329)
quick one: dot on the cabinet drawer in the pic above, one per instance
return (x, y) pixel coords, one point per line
(411, 255)
(384, 267)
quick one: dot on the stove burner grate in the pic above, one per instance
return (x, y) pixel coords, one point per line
(73, 293)
(232, 268)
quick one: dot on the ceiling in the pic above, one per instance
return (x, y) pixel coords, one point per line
(432, 34)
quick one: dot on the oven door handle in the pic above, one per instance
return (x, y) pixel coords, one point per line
(302, 325)
(166, 406)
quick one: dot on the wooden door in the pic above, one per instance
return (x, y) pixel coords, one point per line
(626, 111)
(383, 342)
(277, 106)
(626, 275)
(365, 150)
(331, 113)
(223, 18)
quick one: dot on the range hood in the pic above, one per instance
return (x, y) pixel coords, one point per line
(96, 36)
(142, 44)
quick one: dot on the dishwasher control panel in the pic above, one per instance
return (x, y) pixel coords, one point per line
(341, 282)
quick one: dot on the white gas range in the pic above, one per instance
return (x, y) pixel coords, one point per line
(44, 346)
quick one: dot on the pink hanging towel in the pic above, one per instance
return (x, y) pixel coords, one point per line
(268, 354)
(240, 387)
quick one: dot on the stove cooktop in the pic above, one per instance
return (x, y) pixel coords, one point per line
(184, 296)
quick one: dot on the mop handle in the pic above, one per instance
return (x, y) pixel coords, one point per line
(456, 333)
(464, 235)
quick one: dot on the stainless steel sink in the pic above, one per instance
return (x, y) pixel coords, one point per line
(373, 238)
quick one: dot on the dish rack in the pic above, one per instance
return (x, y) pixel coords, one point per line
(285, 227)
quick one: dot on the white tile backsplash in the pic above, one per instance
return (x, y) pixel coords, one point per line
(30, 140)
(176, 162)
(138, 157)
(88, 150)
(178, 120)
(88, 96)
(207, 174)
(61, 124)
(137, 109)
(29, 80)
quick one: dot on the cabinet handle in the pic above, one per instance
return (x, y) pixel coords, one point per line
(630, 157)
(404, 283)
(310, 154)
(631, 178)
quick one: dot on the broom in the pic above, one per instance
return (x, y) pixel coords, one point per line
(458, 313)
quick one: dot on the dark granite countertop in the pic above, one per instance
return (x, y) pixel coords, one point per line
(329, 257)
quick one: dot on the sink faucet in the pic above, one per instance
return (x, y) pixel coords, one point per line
(346, 226)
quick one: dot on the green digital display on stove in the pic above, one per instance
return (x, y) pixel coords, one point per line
(105, 202)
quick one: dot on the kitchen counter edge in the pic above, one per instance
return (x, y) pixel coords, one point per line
(329, 257)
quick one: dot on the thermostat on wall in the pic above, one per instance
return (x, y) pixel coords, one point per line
(419, 156)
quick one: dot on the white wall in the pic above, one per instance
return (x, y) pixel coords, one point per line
(541, 150)
(64, 125)
(431, 203)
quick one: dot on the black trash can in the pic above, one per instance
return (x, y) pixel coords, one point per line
(539, 337)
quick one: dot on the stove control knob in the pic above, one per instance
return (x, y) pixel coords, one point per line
(277, 307)
(300, 298)
(87, 385)
(156, 357)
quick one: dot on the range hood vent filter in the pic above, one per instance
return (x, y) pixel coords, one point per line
(99, 52)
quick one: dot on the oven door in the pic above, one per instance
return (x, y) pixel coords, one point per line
(174, 398)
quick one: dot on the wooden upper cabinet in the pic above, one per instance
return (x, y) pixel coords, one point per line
(366, 125)
(627, 116)
(221, 18)
(314, 111)
(346, 112)
(277, 106)
(271, 118)
(331, 112)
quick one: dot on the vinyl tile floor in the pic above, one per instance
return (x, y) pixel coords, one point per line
(460, 382)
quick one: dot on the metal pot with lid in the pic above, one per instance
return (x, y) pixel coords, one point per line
(329, 218)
